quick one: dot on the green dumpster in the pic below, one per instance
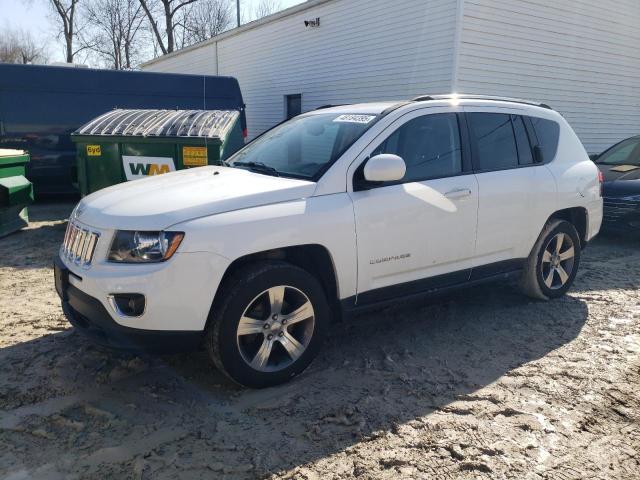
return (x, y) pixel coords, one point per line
(16, 192)
(124, 145)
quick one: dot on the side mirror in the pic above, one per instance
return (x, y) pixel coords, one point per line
(538, 157)
(594, 156)
(384, 168)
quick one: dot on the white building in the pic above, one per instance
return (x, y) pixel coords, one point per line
(582, 57)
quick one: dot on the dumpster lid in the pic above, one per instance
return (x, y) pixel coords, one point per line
(162, 123)
(9, 157)
(7, 152)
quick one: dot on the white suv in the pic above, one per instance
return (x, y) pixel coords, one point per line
(335, 210)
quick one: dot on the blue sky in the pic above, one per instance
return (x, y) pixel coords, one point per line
(33, 15)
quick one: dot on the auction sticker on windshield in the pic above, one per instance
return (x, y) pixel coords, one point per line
(364, 119)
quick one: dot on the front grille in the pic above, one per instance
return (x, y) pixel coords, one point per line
(79, 244)
(616, 208)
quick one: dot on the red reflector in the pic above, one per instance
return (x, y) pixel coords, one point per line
(601, 180)
(245, 133)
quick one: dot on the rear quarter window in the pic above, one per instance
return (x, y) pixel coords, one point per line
(548, 135)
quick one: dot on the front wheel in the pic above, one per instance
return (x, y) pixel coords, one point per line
(553, 263)
(269, 324)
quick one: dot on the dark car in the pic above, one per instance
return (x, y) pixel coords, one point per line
(620, 166)
(40, 106)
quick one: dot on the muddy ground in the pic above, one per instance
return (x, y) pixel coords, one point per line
(480, 384)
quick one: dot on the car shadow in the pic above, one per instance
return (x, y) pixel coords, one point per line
(377, 372)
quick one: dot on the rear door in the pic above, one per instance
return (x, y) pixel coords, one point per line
(509, 184)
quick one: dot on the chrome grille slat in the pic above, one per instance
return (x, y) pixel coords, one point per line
(79, 244)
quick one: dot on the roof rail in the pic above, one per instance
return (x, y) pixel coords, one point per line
(463, 96)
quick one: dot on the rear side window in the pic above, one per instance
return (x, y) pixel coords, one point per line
(525, 156)
(494, 141)
(548, 135)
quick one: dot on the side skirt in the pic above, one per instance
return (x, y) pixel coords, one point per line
(385, 296)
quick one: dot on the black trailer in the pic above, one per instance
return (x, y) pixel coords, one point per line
(40, 106)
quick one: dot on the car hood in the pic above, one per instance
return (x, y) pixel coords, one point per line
(158, 202)
(620, 180)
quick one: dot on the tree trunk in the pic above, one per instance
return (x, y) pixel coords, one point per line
(169, 25)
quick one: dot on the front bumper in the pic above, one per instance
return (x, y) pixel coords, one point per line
(90, 317)
(621, 216)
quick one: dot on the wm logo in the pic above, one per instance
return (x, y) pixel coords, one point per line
(148, 169)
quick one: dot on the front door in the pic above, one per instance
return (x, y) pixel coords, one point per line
(418, 233)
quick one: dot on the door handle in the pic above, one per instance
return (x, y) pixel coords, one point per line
(458, 193)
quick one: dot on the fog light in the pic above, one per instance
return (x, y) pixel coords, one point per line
(128, 304)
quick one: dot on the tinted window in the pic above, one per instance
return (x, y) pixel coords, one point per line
(525, 156)
(429, 145)
(548, 133)
(495, 145)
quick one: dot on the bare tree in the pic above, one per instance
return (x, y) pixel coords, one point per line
(266, 7)
(206, 19)
(169, 13)
(19, 46)
(67, 12)
(114, 31)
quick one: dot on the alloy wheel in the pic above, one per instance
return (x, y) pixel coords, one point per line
(275, 328)
(558, 261)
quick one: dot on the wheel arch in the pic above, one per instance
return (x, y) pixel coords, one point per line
(314, 258)
(578, 217)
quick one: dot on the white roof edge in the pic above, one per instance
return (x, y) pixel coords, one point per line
(287, 12)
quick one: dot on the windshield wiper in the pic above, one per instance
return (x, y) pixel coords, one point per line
(258, 167)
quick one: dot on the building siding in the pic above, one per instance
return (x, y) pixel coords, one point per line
(581, 57)
(363, 51)
(201, 61)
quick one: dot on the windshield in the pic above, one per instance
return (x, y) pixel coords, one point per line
(625, 153)
(304, 147)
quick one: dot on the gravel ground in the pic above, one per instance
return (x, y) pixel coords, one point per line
(479, 384)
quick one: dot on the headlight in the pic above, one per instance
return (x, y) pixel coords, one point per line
(144, 247)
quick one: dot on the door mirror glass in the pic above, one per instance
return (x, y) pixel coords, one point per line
(385, 168)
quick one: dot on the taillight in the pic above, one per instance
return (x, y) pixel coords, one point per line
(601, 180)
(245, 133)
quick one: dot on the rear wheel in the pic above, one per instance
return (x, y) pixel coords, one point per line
(553, 263)
(269, 325)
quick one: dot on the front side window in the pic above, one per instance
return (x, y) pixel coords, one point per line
(625, 153)
(429, 146)
(495, 144)
(304, 147)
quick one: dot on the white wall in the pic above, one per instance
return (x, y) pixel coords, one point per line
(364, 50)
(201, 61)
(580, 56)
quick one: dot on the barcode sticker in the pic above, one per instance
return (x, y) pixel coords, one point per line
(364, 119)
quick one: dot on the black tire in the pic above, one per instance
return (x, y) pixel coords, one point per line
(532, 282)
(237, 294)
